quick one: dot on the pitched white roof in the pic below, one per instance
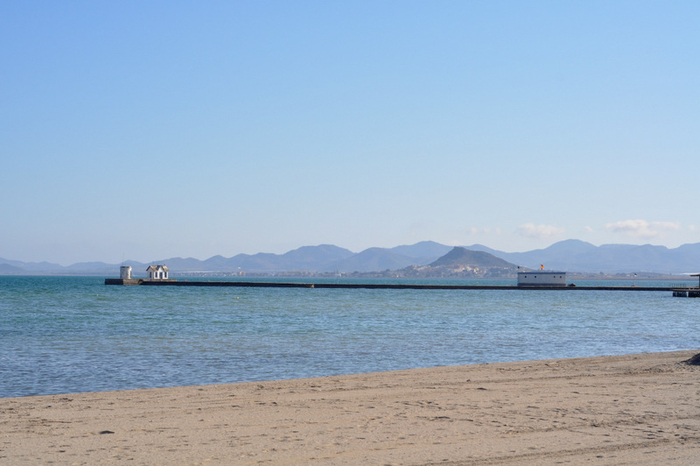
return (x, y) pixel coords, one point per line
(156, 268)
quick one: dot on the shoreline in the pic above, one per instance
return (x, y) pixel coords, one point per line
(633, 409)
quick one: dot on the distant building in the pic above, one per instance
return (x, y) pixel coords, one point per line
(541, 278)
(157, 272)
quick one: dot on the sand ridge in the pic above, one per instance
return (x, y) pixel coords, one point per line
(636, 409)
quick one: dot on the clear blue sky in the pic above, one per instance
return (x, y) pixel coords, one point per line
(149, 130)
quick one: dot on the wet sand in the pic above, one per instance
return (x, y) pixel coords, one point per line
(624, 410)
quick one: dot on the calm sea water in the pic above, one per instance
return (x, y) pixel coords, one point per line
(74, 334)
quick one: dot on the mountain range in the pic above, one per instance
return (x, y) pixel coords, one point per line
(569, 255)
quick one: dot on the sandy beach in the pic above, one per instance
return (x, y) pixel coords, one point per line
(636, 409)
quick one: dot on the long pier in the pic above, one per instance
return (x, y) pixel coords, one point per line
(373, 286)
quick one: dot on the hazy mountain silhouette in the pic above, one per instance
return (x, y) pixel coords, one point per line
(8, 269)
(460, 256)
(570, 255)
(423, 250)
(374, 259)
(579, 256)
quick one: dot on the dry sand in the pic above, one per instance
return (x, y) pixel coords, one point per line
(637, 409)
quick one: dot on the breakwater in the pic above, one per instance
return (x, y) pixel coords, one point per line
(372, 286)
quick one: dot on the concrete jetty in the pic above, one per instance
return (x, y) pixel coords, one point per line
(686, 292)
(370, 286)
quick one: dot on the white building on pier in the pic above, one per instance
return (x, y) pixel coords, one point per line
(157, 272)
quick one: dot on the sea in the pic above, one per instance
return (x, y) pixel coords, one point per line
(75, 334)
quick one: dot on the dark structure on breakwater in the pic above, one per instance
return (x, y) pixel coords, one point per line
(688, 292)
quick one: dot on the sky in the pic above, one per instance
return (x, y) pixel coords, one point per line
(138, 130)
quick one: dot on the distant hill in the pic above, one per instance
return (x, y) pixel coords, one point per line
(7, 269)
(460, 257)
(373, 260)
(570, 255)
(463, 263)
(381, 259)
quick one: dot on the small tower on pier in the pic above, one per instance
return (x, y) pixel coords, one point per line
(125, 272)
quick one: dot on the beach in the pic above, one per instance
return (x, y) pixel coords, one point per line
(634, 409)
